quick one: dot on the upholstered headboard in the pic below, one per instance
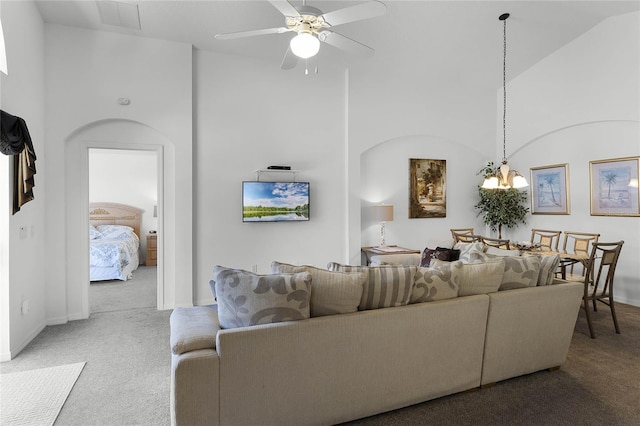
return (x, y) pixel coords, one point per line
(115, 214)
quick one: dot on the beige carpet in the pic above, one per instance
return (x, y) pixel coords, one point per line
(35, 397)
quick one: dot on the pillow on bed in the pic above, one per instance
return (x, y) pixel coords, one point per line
(94, 234)
(116, 232)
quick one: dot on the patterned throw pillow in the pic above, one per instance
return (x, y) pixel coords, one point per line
(479, 278)
(331, 292)
(441, 253)
(520, 272)
(386, 286)
(548, 265)
(94, 234)
(471, 252)
(116, 232)
(439, 282)
(246, 299)
(501, 252)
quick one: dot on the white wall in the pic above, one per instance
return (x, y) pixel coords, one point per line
(249, 116)
(580, 104)
(126, 177)
(87, 71)
(22, 254)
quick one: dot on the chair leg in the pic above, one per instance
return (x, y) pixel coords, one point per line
(613, 314)
(586, 311)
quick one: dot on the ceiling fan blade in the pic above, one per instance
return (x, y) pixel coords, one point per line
(358, 12)
(289, 61)
(345, 43)
(241, 34)
(285, 7)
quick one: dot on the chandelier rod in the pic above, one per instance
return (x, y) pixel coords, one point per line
(503, 18)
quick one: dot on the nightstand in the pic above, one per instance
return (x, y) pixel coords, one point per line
(152, 250)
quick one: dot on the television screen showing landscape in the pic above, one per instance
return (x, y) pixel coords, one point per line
(275, 201)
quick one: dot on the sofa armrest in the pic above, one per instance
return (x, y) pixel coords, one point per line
(193, 329)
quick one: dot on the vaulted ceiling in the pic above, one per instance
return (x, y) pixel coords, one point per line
(461, 39)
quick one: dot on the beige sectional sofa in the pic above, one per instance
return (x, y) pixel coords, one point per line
(331, 369)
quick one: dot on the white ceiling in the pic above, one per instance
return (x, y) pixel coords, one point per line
(462, 39)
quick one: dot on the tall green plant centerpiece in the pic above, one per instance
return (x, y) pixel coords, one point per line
(501, 207)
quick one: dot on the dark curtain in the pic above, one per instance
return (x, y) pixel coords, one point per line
(16, 141)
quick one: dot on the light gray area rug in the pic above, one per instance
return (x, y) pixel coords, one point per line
(35, 397)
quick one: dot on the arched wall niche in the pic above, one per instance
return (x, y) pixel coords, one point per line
(384, 178)
(115, 134)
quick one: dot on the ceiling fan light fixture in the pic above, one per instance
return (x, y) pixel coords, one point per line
(305, 45)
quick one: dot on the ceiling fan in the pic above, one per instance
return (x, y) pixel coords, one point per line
(312, 26)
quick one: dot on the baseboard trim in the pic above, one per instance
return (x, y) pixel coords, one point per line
(8, 356)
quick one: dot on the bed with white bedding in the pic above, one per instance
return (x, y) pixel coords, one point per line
(114, 242)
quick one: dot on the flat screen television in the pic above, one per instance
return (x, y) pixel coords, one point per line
(275, 201)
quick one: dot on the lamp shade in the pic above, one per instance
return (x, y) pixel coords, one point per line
(304, 45)
(383, 213)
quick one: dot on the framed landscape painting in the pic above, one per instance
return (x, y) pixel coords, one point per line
(550, 189)
(427, 188)
(614, 187)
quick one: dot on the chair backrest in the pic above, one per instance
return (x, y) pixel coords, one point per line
(547, 239)
(602, 265)
(464, 235)
(579, 242)
(496, 242)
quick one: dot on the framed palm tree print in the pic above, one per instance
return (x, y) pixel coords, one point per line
(614, 187)
(550, 189)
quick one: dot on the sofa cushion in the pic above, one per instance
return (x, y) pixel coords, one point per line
(479, 278)
(386, 286)
(331, 292)
(246, 299)
(548, 265)
(441, 253)
(471, 252)
(438, 282)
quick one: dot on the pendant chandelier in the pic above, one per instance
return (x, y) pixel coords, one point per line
(504, 177)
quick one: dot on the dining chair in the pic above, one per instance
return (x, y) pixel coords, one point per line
(496, 242)
(576, 250)
(464, 235)
(547, 239)
(598, 284)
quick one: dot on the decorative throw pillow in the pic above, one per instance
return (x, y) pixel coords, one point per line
(94, 234)
(246, 299)
(520, 272)
(439, 282)
(116, 232)
(548, 265)
(440, 253)
(471, 252)
(331, 292)
(479, 278)
(386, 286)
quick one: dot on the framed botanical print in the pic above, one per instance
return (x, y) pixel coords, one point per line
(614, 187)
(427, 188)
(550, 189)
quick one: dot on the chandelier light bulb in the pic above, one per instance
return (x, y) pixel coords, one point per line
(304, 45)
